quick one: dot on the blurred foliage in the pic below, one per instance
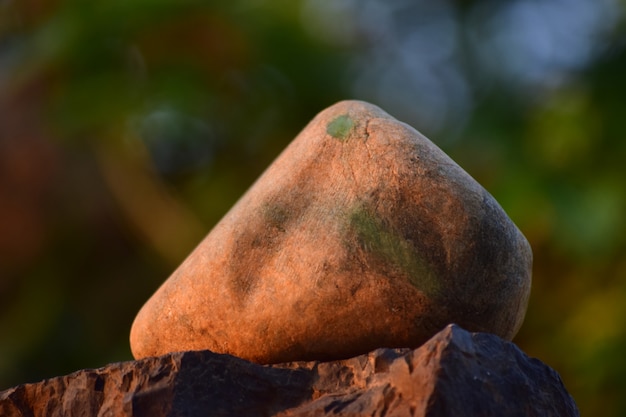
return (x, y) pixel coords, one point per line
(128, 128)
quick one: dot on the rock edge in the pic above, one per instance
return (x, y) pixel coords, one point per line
(455, 373)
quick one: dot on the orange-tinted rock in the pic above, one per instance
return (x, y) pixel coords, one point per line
(362, 234)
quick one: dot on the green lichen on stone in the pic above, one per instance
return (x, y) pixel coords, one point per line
(392, 248)
(340, 127)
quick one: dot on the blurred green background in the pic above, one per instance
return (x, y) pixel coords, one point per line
(128, 128)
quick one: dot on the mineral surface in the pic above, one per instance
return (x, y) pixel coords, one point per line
(361, 234)
(455, 374)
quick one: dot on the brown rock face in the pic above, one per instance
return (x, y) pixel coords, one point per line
(455, 374)
(362, 234)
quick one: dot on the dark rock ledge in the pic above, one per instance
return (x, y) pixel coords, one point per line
(456, 373)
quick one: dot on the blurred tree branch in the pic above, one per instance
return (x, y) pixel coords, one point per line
(148, 205)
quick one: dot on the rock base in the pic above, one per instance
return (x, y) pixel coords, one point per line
(456, 373)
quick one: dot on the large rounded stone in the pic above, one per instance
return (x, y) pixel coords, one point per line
(362, 234)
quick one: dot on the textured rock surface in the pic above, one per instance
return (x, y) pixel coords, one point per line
(456, 373)
(361, 234)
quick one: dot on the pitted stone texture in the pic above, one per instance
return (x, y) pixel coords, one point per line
(455, 374)
(362, 234)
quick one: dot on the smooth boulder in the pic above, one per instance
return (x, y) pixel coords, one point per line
(361, 234)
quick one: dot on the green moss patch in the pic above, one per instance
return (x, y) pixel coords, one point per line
(393, 249)
(340, 127)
